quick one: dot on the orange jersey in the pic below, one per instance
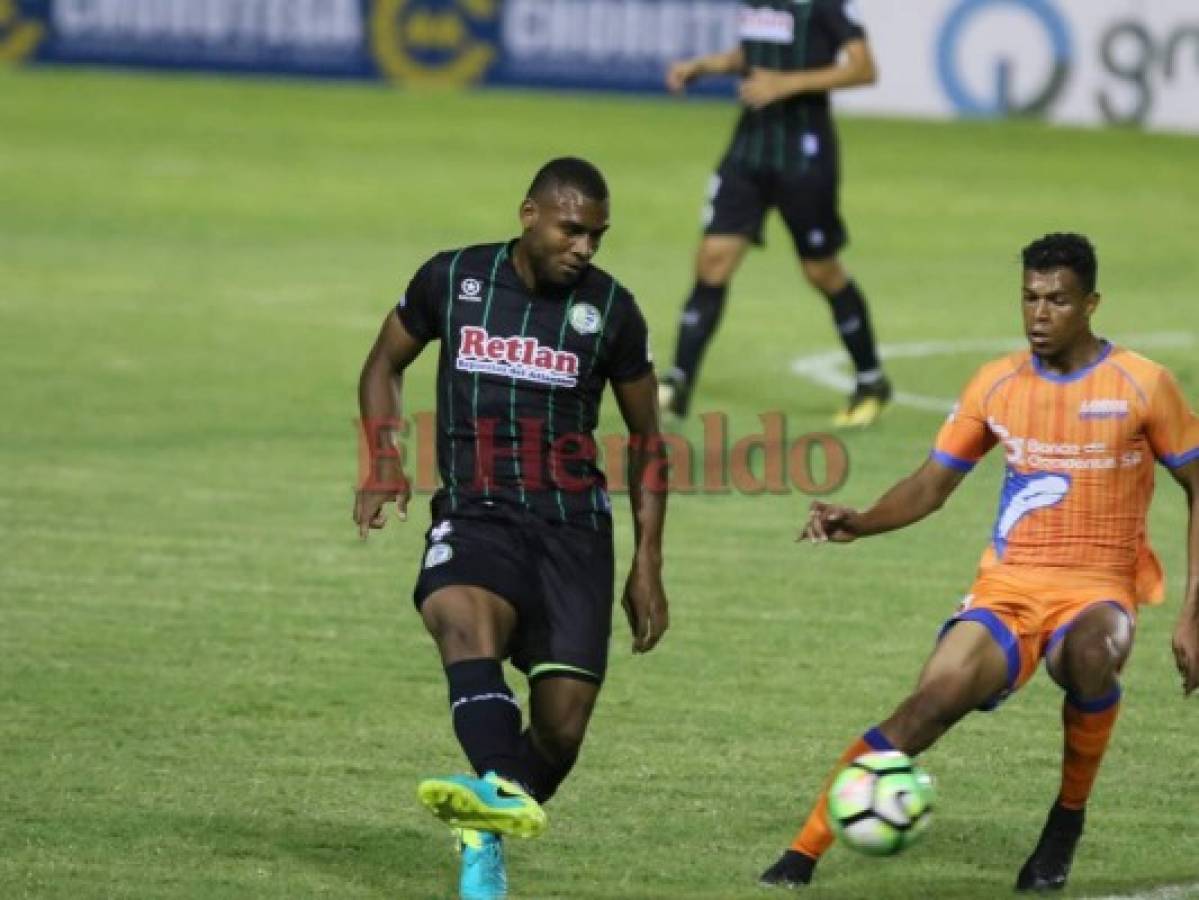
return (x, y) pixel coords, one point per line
(1080, 451)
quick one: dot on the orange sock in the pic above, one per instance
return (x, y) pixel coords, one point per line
(1088, 727)
(815, 837)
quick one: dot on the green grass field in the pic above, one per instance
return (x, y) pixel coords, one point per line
(210, 688)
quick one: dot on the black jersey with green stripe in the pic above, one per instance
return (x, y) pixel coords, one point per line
(789, 36)
(519, 380)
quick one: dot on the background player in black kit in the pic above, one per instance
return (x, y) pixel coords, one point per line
(783, 155)
(518, 561)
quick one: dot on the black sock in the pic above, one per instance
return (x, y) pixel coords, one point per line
(697, 324)
(543, 775)
(853, 324)
(486, 717)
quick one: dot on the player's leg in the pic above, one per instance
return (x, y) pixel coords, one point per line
(471, 594)
(717, 259)
(1084, 657)
(472, 628)
(809, 206)
(565, 653)
(851, 315)
(971, 665)
(733, 219)
(560, 707)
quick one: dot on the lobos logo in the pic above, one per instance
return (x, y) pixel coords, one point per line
(515, 357)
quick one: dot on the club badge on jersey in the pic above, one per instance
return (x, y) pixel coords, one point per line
(585, 318)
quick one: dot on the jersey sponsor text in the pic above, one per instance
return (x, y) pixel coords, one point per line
(524, 358)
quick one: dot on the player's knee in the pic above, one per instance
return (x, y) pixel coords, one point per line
(459, 639)
(457, 642)
(562, 739)
(1093, 662)
(714, 266)
(826, 275)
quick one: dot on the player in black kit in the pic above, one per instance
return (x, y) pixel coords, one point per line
(518, 560)
(783, 155)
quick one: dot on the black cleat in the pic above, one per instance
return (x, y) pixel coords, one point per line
(1049, 865)
(793, 870)
(674, 396)
(864, 405)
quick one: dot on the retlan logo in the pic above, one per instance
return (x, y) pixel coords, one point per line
(523, 358)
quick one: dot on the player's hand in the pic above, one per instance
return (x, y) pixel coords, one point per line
(761, 87)
(1186, 654)
(681, 74)
(369, 503)
(827, 522)
(645, 605)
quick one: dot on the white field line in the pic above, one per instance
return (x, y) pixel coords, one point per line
(828, 368)
(1167, 892)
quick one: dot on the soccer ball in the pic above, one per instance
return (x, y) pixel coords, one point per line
(880, 803)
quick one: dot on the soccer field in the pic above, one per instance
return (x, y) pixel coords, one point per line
(210, 688)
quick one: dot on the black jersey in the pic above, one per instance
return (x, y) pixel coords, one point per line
(519, 380)
(789, 36)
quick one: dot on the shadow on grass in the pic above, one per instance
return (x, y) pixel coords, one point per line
(388, 861)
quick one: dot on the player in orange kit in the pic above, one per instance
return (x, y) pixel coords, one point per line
(1081, 422)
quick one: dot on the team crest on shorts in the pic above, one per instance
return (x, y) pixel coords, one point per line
(441, 531)
(585, 318)
(438, 554)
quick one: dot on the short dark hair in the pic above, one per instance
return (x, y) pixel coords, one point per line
(1064, 250)
(570, 171)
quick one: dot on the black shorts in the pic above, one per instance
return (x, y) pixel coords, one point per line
(739, 198)
(557, 576)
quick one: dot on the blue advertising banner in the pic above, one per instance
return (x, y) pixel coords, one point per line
(1092, 62)
(601, 44)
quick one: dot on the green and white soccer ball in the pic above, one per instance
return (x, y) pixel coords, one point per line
(881, 803)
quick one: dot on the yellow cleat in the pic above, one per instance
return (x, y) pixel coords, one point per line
(865, 405)
(489, 803)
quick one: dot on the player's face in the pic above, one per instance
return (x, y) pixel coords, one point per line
(1057, 311)
(562, 231)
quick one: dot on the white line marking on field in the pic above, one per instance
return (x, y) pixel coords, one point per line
(1168, 892)
(828, 368)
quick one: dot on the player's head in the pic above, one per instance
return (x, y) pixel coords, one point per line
(564, 215)
(1059, 294)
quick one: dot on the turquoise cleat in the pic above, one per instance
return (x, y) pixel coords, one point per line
(490, 803)
(483, 874)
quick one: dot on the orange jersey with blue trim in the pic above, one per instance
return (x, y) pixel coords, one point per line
(1080, 452)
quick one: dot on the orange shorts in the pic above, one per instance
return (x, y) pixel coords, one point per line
(1029, 610)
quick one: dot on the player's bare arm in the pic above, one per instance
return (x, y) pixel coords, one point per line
(644, 599)
(907, 502)
(1186, 633)
(854, 68)
(379, 388)
(685, 71)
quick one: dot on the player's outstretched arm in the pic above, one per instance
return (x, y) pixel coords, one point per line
(382, 476)
(682, 73)
(1186, 633)
(644, 599)
(907, 502)
(854, 67)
